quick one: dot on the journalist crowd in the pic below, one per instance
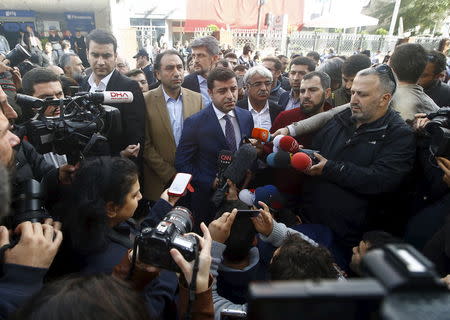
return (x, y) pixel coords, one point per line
(296, 166)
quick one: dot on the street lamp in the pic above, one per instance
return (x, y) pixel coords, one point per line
(260, 4)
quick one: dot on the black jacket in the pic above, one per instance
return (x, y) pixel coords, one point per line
(284, 99)
(191, 82)
(132, 114)
(274, 109)
(363, 165)
(440, 93)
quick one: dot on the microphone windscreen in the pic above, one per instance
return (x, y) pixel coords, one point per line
(271, 160)
(289, 144)
(275, 149)
(282, 159)
(301, 161)
(276, 140)
(247, 197)
(243, 160)
(261, 134)
(265, 194)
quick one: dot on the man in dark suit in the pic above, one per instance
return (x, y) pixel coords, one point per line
(205, 54)
(102, 54)
(220, 126)
(258, 81)
(143, 63)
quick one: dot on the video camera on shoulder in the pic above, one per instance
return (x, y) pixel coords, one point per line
(439, 130)
(153, 244)
(82, 128)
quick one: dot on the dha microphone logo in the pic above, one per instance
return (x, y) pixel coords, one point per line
(119, 95)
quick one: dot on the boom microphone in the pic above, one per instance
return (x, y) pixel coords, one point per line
(261, 134)
(243, 160)
(113, 96)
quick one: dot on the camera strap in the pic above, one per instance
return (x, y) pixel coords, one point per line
(3, 250)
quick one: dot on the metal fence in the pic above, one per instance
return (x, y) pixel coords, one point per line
(304, 41)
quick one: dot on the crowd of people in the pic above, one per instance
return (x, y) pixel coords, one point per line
(377, 171)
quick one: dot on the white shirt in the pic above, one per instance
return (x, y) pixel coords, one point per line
(261, 119)
(222, 122)
(175, 110)
(101, 85)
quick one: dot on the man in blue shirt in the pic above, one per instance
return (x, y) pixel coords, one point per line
(167, 107)
(205, 54)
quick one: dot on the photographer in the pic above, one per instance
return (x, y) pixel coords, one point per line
(24, 264)
(432, 201)
(105, 193)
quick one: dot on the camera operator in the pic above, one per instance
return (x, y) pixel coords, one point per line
(432, 202)
(25, 264)
(105, 193)
(40, 83)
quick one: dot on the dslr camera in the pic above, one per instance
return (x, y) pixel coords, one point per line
(438, 129)
(27, 204)
(82, 129)
(153, 244)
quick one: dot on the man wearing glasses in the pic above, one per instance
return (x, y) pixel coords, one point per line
(364, 151)
(258, 82)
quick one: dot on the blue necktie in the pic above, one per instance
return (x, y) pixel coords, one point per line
(229, 133)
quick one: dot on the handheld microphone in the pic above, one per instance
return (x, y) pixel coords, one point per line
(289, 144)
(261, 134)
(243, 160)
(304, 159)
(247, 197)
(268, 194)
(280, 159)
(223, 161)
(276, 140)
(113, 96)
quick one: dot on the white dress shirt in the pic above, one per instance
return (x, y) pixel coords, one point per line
(175, 110)
(222, 122)
(101, 85)
(261, 119)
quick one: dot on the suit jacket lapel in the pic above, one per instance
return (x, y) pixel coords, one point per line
(161, 106)
(188, 103)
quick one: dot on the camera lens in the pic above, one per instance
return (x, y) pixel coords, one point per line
(182, 218)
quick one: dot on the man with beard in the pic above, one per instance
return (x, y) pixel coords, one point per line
(366, 151)
(205, 54)
(297, 69)
(350, 68)
(430, 80)
(72, 66)
(258, 81)
(220, 126)
(313, 94)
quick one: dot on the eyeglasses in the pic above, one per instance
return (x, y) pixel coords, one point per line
(385, 69)
(259, 84)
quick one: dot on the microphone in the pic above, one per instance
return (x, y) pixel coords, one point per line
(301, 161)
(247, 197)
(113, 96)
(289, 144)
(268, 194)
(261, 134)
(223, 161)
(243, 160)
(304, 159)
(276, 140)
(280, 159)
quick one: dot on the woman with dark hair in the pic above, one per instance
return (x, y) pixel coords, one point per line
(104, 195)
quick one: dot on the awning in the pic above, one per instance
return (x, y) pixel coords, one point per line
(239, 14)
(350, 20)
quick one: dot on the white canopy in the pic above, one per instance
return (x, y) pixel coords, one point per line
(349, 20)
